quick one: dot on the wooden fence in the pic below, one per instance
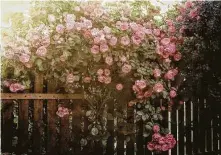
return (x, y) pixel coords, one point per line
(38, 130)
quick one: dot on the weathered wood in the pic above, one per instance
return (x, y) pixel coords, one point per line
(40, 96)
(6, 123)
(23, 127)
(51, 119)
(38, 116)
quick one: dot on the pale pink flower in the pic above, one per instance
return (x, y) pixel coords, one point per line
(136, 88)
(165, 41)
(161, 140)
(70, 78)
(140, 95)
(113, 41)
(172, 29)
(106, 72)
(126, 68)
(95, 49)
(156, 32)
(87, 24)
(87, 79)
(136, 40)
(169, 75)
(107, 30)
(101, 78)
(165, 147)
(6, 83)
(141, 84)
(100, 71)
(78, 26)
(62, 112)
(171, 48)
(97, 40)
(104, 48)
(9, 54)
(156, 136)
(24, 58)
(107, 80)
(119, 86)
(98, 12)
(157, 72)
(173, 93)
(148, 93)
(77, 8)
(125, 40)
(124, 26)
(158, 87)
(60, 28)
(193, 13)
(51, 18)
(109, 60)
(140, 34)
(169, 22)
(134, 26)
(177, 56)
(123, 58)
(45, 41)
(41, 51)
(156, 128)
(179, 19)
(15, 87)
(70, 18)
(188, 4)
(148, 31)
(69, 26)
(150, 146)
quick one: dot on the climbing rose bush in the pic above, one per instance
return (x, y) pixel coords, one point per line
(85, 45)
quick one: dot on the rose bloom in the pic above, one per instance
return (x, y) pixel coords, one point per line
(113, 41)
(119, 86)
(70, 78)
(97, 40)
(150, 146)
(173, 93)
(126, 68)
(123, 58)
(158, 87)
(172, 29)
(62, 112)
(60, 28)
(141, 84)
(87, 79)
(136, 40)
(41, 51)
(69, 26)
(157, 147)
(156, 72)
(106, 72)
(100, 71)
(193, 13)
(87, 24)
(107, 80)
(104, 48)
(156, 128)
(125, 40)
(177, 56)
(134, 26)
(109, 60)
(95, 49)
(14, 87)
(101, 78)
(156, 32)
(107, 30)
(156, 136)
(179, 19)
(164, 147)
(161, 140)
(140, 95)
(124, 26)
(24, 58)
(51, 18)
(165, 41)
(136, 88)
(169, 22)
(147, 93)
(188, 4)
(169, 75)
(45, 41)
(171, 48)
(140, 34)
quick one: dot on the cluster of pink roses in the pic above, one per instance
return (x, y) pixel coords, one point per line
(161, 143)
(62, 111)
(104, 76)
(141, 89)
(13, 86)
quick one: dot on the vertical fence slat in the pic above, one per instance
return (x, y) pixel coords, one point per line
(23, 127)
(51, 121)
(38, 116)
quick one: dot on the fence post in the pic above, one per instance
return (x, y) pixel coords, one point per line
(51, 119)
(38, 115)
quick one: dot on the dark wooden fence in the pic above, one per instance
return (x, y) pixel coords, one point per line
(30, 126)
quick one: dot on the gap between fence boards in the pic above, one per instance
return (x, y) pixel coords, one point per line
(35, 96)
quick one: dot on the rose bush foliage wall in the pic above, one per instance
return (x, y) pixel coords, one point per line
(102, 49)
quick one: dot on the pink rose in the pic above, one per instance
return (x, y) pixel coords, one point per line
(175, 72)
(6, 83)
(113, 41)
(165, 41)
(134, 26)
(161, 140)
(62, 112)
(106, 72)
(119, 86)
(188, 4)
(169, 22)
(70, 18)
(123, 58)
(156, 136)
(169, 75)
(41, 51)
(101, 78)
(45, 41)
(156, 32)
(124, 26)
(107, 30)
(172, 29)
(24, 58)
(164, 147)
(70, 78)
(14, 87)
(156, 128)
(158, 87)
(87, 24)
(177, 56)
(173, 93)
(148, 31)
(104, 48)
(179, 19)
(95, 49)
(147, 93)
(193, 13)
(78, 26)
(140, 95)
(157, 147)
(51, 18)
(100, 71)
(126, 68)
(87, 79)
(125, 40)
(182, 10)
(150, 146)
(60, 28)
(156, 73)
(170, 48)
(136, 40)
(141, 84)
(107, 80)
(136, 88)
(109, 60)
(140, 34)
